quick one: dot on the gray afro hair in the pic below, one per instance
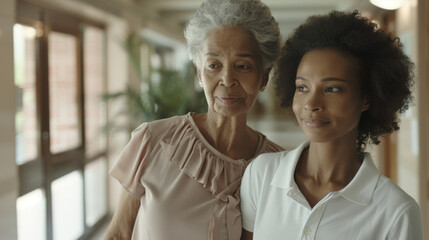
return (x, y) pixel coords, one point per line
(251, 15)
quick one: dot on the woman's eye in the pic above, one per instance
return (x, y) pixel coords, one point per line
(332, 89)
(213, 66)
(301, 88)
(243, 67)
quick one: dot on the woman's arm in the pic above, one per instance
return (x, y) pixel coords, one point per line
(122, 224)
(245, 235)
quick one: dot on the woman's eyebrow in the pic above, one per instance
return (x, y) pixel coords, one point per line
(245, 55)
(328, 79)
(332, 79)
(212, 54)
(242, 55)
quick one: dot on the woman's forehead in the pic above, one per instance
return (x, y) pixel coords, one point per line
(231, 41)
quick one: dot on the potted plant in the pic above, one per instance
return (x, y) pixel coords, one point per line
(163, 94)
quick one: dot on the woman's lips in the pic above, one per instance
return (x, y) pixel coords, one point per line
(228, 100)
(315, 123)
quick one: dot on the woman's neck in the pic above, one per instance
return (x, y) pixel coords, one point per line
(229, 135)
(326, 167)
(331, 162)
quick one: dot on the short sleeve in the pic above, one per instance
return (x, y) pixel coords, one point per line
(131, 164)
(408, 225)
(248, 198)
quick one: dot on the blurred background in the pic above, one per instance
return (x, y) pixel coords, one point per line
(76, 76)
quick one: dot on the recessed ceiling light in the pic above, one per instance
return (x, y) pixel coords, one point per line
(388, 4)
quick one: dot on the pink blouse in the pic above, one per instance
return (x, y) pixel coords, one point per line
(188, 190)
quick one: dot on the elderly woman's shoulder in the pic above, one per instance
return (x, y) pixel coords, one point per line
(161, 125)
(271, 146)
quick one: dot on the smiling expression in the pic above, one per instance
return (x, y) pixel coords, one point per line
(230, 71)
(328, 102)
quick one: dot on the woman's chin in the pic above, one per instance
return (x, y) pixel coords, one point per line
(229, 111)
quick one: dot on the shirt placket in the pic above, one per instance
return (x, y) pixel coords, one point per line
(308, 232)
(310, 227)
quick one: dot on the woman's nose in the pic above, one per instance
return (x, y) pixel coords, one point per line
(313, 103)
(311, 108)
(227, 78)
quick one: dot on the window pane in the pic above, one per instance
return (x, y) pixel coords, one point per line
(31, 215)
(95, 190)
(63, 92)
(25, 85)
(67, 206)
(95, 115)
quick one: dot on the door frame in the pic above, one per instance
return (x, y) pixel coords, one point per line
(47, 167)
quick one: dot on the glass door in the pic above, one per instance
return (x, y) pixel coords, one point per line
(61, 147)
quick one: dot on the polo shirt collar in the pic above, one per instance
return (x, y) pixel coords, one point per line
(359, 190)
(362, 186)
(284, 176)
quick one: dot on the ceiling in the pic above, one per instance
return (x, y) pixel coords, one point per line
(289, 13)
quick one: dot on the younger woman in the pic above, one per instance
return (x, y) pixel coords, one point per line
(346, 81)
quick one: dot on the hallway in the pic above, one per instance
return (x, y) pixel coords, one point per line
(61, 58)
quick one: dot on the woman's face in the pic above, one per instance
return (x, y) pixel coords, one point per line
(328, 102)
(230, 72)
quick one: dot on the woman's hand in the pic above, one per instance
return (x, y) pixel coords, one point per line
(122, 224)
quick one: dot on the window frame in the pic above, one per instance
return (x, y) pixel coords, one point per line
(47, 167)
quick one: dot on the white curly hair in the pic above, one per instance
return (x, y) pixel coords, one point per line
(251, 15)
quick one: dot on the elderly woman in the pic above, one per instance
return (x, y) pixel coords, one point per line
(345, 81)
(182, 175)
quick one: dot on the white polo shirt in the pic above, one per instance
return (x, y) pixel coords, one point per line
(370, 207)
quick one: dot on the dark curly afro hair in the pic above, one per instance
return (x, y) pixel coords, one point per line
(386, 72)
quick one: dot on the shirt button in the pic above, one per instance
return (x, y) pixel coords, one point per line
(307, 231)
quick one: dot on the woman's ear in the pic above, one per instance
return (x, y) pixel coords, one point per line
(198, 74)
(265, 78)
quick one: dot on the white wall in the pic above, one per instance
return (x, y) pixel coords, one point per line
(8, 169)
(408, 143)
(413, 138)
(423, 109)
(117, 77)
